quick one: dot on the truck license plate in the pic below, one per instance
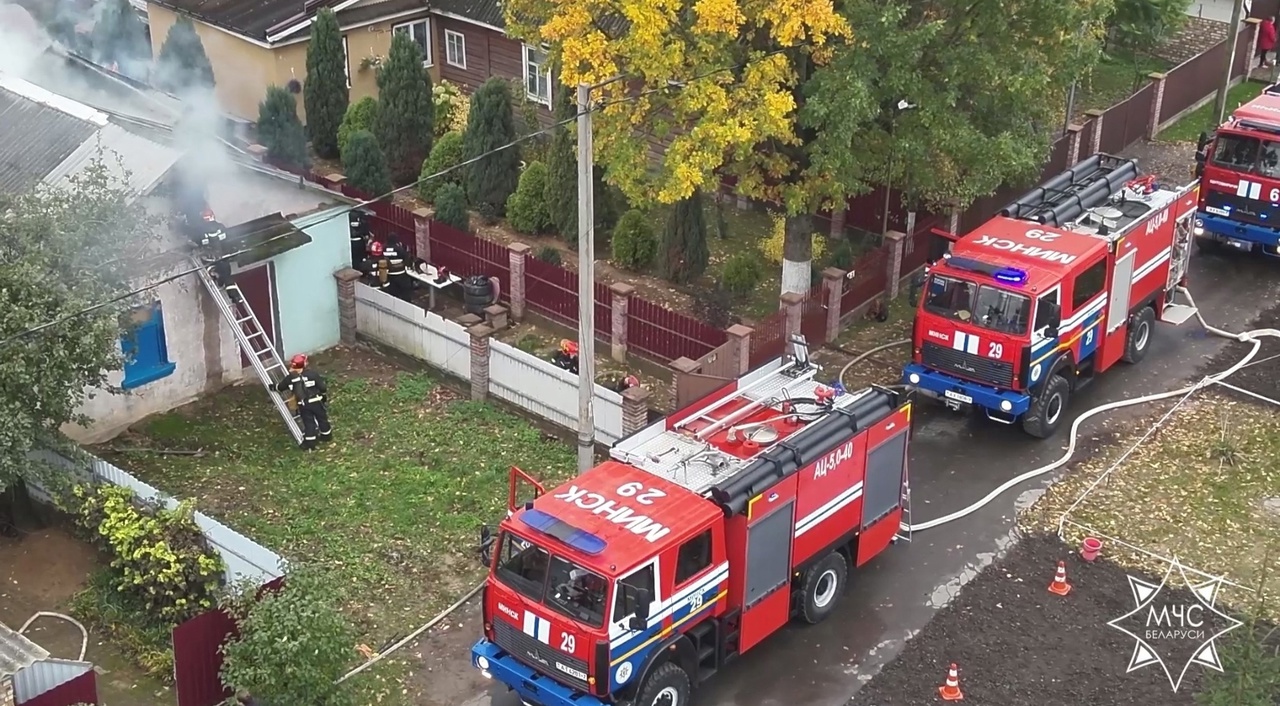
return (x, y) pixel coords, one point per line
(957, 397)
(1241, 244)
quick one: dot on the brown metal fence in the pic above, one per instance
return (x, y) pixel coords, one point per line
(465, 255)
(664, 334)
(768, 338)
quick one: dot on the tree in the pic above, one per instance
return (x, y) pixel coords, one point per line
(280, 129)
(683, 254)
(365, 165)
(325, 92)
(1140, 25)
(182, 64)
(446, 153)
(405, 110)
(562, 171)
(361, 115)
(292, 645)
(490, 126)
(86, 239)
(451, 207)
(527, 207)
(119, 37)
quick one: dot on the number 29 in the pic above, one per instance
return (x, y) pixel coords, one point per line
(995, 350)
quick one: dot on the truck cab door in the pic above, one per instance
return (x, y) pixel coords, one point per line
(1044, 333)
(627, 648)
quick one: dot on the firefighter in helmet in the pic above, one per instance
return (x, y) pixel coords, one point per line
(377, 268)
(567, 357)
(308, 389)
(399, 283)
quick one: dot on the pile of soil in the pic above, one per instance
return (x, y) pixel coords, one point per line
(1016, 644)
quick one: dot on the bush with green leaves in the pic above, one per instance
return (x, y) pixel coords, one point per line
(742, 273)
(493, 178)
(360, 115)
(684, 254)
(549, 254)
(182, 63)
(451, 207)
(452, 107)
(406, 115)
(280, 130)
(635, 245)
(365, 166)
(292, 644)
(325, 93)
(527, 207)
(446, 153)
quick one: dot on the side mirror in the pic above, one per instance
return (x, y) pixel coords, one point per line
(640, 620)
(485, 550)
(1203, 142)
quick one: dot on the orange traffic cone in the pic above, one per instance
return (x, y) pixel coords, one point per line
(950, 691)
(1060, 585)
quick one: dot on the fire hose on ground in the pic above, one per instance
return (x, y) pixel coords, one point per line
(1255, 337)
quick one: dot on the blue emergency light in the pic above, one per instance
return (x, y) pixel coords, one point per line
(1010, 275)
(580, 540)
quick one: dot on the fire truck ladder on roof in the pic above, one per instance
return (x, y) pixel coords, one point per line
(1062, 199)
(253, 342)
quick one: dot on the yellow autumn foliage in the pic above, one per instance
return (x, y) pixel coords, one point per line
(771, 247)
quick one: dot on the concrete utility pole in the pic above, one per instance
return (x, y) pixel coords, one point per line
(586, 286)
(1220, 103)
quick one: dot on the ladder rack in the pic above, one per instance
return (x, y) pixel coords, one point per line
(253, 342)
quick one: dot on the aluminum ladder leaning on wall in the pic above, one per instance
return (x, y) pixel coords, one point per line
(265, 360)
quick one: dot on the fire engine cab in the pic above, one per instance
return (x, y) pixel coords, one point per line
(1059, 286)
(703, 534)
(1239, 169)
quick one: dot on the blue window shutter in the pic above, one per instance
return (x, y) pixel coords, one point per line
(146, 353)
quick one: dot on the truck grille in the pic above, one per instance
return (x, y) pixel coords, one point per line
(539, 656)
(966, 365)
(1243, 210)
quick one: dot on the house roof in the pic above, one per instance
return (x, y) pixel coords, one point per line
(50, 138)
(17, 652)
(484, 11)
(264, 20)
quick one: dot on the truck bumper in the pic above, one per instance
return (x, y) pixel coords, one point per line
(532, 687)
(1007, 403)
(1241, 235)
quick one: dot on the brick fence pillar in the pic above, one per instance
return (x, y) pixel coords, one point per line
(517, 252)
(422, 234)
(1073, 143)
(791, 304)
(1251, 30)
(740, 348)
(480, 334)
(347, 278)
(1157, 102)
(896, 242)
(1095, 145)
(7, 697)
(833, 286)
(618, 328)
(635, 410)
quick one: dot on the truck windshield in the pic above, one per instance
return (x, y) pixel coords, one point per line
(981, 305)
(1247, 154)
(552, 581)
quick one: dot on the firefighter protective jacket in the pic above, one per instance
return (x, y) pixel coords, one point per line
(308, 387)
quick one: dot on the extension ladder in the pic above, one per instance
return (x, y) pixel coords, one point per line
(253, 342)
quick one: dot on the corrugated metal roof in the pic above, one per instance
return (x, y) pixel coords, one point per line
(45, 676)
(129, 157)
(17, 652)
(36, 138)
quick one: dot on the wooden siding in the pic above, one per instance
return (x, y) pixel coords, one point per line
(488, 54)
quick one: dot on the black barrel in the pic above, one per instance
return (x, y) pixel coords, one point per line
(477, 293)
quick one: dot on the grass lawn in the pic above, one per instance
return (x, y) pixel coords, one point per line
(1114, 79)
(1189, 126)
(1197, 489)
(390, 507)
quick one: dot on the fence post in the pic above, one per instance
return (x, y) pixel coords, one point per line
(347, 278)
(1096, 142)
(480, 334)
(1073, 144)
(833, 283)
(422, 234)
(1157, 101)
(517, 253)
(1252, 28)
(740, 337)
(896, 241)
(621, 303)
(791, 304)
(635, 409)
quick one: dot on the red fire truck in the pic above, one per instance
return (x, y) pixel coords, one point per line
(1058, 287)
(702, 535)
(1239, 168)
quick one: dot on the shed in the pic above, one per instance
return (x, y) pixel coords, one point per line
(30, 677)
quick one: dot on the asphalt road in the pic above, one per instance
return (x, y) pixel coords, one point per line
(955, 461)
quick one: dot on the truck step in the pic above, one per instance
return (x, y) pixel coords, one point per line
(698, 633)
(1177, 314)
(705, 673)
(707, 655)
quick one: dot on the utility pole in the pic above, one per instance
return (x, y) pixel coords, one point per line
(1220, 103)
(586, 286)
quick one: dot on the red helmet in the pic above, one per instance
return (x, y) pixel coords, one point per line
(298, 361)
(375, 249)
(568, 347)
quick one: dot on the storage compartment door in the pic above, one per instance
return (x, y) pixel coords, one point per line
(882, 496)
(766, 601)
(1121, 286)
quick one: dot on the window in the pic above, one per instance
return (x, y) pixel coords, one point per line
(694, 556)
(1236, 153)
(1088, 284)
(554, 582)
(1044, 307)
(346, 60)
(146, 355)
(455, 49)
(628, 593)
(989, 307)
(537, 75)
(420, 32)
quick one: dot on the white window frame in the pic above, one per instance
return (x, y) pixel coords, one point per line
(426, 24)
(525, 62)
(346, 60)
(461, 58)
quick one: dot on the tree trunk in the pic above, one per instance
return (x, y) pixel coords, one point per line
(797, 254)
(911, 230)
(837, 222)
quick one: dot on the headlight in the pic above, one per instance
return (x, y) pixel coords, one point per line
(484, 673)
(1005, 405)
(1197, 231)
(1199, 223)
(914, 378)
(482, 662)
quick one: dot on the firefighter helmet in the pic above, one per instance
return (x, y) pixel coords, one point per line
(568, 347)
(375, 249)
(298, 362)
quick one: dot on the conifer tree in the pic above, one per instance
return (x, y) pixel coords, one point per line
(491, 125)
(562, 172)
(325, 92)
(406, 114)
(182, 63)
(683, 255)
(451, 207)
(365, 164)
(118, 36)
(280, 130)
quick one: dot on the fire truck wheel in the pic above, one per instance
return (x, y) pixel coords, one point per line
(668, 685)
(1049, 408)
(1139, 340)
(823, 585)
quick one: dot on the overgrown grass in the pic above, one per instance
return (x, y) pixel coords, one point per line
(1114, 79)
(107, 612)
(1189, 126)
